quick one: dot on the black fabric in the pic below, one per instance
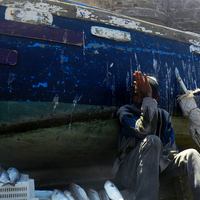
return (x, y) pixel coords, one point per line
(197, 99)
(154, 86)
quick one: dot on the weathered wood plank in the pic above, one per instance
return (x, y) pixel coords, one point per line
(41, 32)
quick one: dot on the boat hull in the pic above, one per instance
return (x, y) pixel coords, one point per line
(65, 58)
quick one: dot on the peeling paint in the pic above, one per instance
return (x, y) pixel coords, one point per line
(18, 14)
(126, 23)
(113, 20)
(168, 83)
(158, 33)
(194, 49)
(137, 64)
(29, 12)
(55, 102)
(85, 13)
(11, 78)
(194, 42)
(39, 7)
(194, 72)
(155, 65)
(63, 58)
(93, 14)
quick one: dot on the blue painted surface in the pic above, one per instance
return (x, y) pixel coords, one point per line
(101, 71)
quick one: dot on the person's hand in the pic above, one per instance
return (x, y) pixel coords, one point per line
(142, 84)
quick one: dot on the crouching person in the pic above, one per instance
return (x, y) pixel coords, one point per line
(147, 148)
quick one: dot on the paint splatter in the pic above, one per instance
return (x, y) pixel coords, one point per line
(40, 85)
(75, 101)
(11, 78)
(55, 101)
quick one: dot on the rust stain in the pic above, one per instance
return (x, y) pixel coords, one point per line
(11, 13)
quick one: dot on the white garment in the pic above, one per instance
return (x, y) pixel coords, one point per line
(190, 109)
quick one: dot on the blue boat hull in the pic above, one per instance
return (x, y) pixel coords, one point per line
(99, 70)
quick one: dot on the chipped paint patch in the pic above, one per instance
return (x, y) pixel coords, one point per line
(85, 13)
(194, 49)
(113, 20)
(158, 33)
(111, 33)
(32, 12)
(43, 7)
(31, 16)
(155, 64)
(117, 21)
(126, 23)
(40, 85)
(194, 42)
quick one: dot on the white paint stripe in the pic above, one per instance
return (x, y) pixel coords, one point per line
(111, 33)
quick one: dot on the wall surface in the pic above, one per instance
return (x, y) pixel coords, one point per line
(179, 14)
